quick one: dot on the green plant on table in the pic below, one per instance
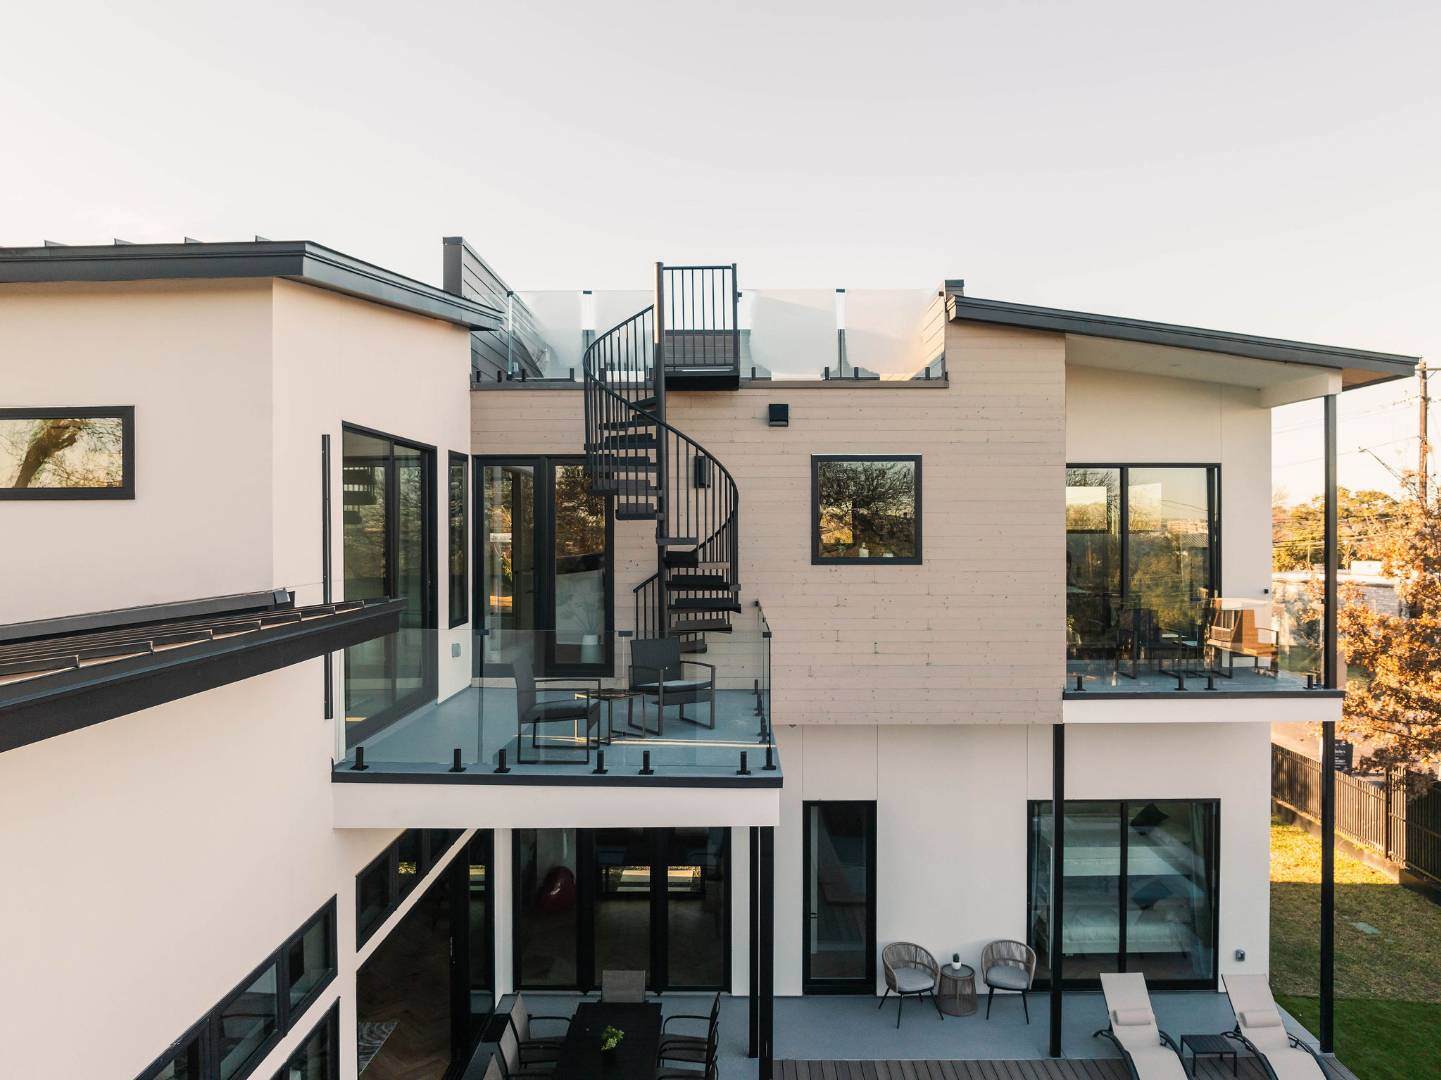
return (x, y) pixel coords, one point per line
(610, 1038)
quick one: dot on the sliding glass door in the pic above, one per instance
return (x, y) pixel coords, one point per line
(388, 550)
(594, 900)
(1140, 890)
(544, 552)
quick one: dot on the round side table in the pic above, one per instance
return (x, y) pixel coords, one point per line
(957, 991)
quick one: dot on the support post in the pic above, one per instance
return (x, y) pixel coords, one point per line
(753, 1011)
(767, 951)
(1332, 677)
(325, 564)
(1058, 877)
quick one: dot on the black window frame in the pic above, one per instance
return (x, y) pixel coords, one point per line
(458, 586)
(817, 559)
(331, 1023)
(124, 413)
(206, 1031)
(432, 845)
(1043, 982)
(1123, 522)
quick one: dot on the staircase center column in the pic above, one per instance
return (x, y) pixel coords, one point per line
(662, 474)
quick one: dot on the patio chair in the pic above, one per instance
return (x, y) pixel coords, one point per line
(581, 713)
(1260, 1028)
(1008, 966)
(1150, 1053)
(1139, 639)
(522, 1052)
(622, 987)
(656, 672)
(693, 1049)
(1233, 632)
(911, 972)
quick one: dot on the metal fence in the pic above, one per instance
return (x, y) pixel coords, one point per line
(1398, 816)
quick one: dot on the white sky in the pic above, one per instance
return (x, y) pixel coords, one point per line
(1266, 167)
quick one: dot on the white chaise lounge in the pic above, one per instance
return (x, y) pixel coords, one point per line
(1150, 1053)
(1259, 1026)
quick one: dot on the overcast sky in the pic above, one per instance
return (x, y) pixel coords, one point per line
(1266, 167)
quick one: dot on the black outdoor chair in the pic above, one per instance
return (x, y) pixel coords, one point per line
(693, 1049)
(1139, 640)
(581, 713)
(656, 672)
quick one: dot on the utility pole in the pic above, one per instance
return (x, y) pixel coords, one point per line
(1425, 450)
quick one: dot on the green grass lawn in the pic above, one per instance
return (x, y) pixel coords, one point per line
(1388, 959)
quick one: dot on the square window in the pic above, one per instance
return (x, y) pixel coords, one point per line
(866, 509)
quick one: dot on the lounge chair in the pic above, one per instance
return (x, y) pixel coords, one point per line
(1260, 1028)
(1150, 1053)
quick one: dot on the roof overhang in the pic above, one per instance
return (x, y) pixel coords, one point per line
(293, 260)
(1170, 349)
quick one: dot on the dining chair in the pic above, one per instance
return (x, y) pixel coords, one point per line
(622, 987)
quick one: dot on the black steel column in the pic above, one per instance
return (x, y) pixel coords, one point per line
(1331, 675)
(754, 1001)
(1058, 876)
(325, 564)
(767, 951)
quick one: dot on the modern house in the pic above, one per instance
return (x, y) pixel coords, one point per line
(373, 651)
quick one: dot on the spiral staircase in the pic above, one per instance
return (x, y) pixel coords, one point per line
(688, 339)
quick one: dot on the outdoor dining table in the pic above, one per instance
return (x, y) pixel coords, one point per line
(635, 1058)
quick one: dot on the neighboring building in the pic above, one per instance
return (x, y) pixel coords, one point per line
(328, 690)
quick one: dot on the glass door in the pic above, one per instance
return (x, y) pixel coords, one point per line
(840, 888)
(388, 550)
(621, 900)
(544, 549)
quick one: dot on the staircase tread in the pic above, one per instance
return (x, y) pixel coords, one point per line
(635, 512)
(719, 626)
(713, 582)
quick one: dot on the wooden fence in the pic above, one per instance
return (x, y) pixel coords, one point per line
(1398, 816)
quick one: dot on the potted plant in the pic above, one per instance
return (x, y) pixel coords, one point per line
(610, 1039)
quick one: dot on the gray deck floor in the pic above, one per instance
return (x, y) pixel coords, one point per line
(1062, 1069)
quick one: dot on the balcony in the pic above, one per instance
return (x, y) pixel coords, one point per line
(559, 707)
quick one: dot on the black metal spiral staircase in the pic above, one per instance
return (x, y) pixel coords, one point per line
(687, 340)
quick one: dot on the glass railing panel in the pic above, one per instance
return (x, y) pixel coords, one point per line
(546, 702)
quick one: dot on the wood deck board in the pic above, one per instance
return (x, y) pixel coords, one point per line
(1032, 1069)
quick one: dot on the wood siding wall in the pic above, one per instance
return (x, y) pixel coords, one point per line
(976, 634)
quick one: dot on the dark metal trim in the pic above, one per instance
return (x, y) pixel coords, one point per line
(326, 584)
(1331, 676)
(1120, 328)
(452, 460)
(116, 618)
(70, 700)
(342, 774)
(1209, 695)
(296, 260)
(766, 922)
(817, 559)
(126, 416)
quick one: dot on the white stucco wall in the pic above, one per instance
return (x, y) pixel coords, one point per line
(1121, 417)
(951, 821)
(192, 358)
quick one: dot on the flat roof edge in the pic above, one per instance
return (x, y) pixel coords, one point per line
(1089, 324)
(294, 260)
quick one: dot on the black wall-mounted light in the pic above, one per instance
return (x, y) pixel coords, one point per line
(702, 472)
(779, 415)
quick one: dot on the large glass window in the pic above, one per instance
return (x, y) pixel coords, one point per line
(1142, 561)
(592, 900)
(481, 930)
(866, 509)
(387, 525)
(578, 594)
(458, 539)
(508, 572)
(310, 959)
(1141, 893)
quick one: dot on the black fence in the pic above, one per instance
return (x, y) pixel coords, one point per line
(1397, 816)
